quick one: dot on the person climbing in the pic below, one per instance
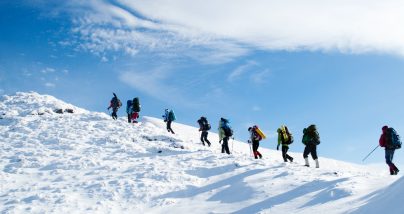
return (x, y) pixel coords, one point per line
(390, 141)
(129, 110)
(115, 104)
(285, 138)
(204, 126)
(225, 132)
(311, 140)
(169, 117)
(135, 109)
(255, 140)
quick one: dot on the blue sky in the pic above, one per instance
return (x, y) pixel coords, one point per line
(337, 64)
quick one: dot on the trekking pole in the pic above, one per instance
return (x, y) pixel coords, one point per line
(232, 145)
(370, 153)
(249, 145)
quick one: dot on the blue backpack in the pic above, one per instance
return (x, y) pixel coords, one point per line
(394, 141)
(129, 107)
(171, 115)
(228, 131)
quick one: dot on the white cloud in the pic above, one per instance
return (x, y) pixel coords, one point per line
(48, 70)
(260, 76)
(239, 71)
(50, 85)
(221, 30)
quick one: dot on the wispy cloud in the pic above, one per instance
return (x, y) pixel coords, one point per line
(48, 70)
(50, 85)
(221, 30)
(260, 77)
(239, 71)
(155, 83)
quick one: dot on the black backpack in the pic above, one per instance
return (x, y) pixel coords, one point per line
(116, 103)
(393, 139)
(136, 104)
(228, 132)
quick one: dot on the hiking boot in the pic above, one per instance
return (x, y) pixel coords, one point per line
(391, 172)
(260, 156)
(396, 171)
(291, 159)
(306, 161)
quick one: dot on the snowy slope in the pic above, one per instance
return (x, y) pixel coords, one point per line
(87, 163)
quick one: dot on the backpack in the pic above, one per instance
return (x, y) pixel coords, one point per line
(286, 136)
(255, 134)
(228, 132)
(116, 103)
(136, 104)
(393, 139)
(171, 115)
(204, 124)
(129, 106)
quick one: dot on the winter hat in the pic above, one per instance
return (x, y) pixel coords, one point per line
(385, 128)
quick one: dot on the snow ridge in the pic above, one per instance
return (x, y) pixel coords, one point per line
(85, 162)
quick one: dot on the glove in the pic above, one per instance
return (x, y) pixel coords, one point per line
(277, 148)
(220, 141)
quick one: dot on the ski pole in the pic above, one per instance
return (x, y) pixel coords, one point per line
(249, 145)
(232, 145)
(370, 153)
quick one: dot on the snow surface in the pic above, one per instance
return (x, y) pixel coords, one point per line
(86, 162)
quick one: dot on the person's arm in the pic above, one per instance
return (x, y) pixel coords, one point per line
(382, 141)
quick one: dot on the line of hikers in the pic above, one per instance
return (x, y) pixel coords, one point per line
(389, 139)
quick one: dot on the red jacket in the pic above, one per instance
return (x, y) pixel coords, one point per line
(382, 140)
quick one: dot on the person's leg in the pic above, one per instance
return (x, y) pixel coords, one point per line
(314, 155)
(284, 151)
(389, 160)
(306, 155)
(255, 148)
(287, 155)
(202, 138)
(226, 144)
(258, 153)
(169, 126)
(206, 138)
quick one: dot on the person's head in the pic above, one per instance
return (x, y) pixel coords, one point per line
(384, 129)
(249, 129)
(278, 130)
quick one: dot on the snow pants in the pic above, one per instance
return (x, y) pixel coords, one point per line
(255, 145)
(225, 145)
(310, 149)
(204, 138)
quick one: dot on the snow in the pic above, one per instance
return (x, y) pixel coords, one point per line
(85, 162)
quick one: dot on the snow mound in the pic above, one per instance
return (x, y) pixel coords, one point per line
(386, 200)
(31, 103)
(86, 162)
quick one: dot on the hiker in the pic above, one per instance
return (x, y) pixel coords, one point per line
(255, 140)
(169, 117)
(204, 126)
(225, 132)
(310, 139)
(285, 138)
(388, 140)
(129, 110)
(135, 109)
(115, 104)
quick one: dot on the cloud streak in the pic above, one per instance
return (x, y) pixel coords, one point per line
(218, 31)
